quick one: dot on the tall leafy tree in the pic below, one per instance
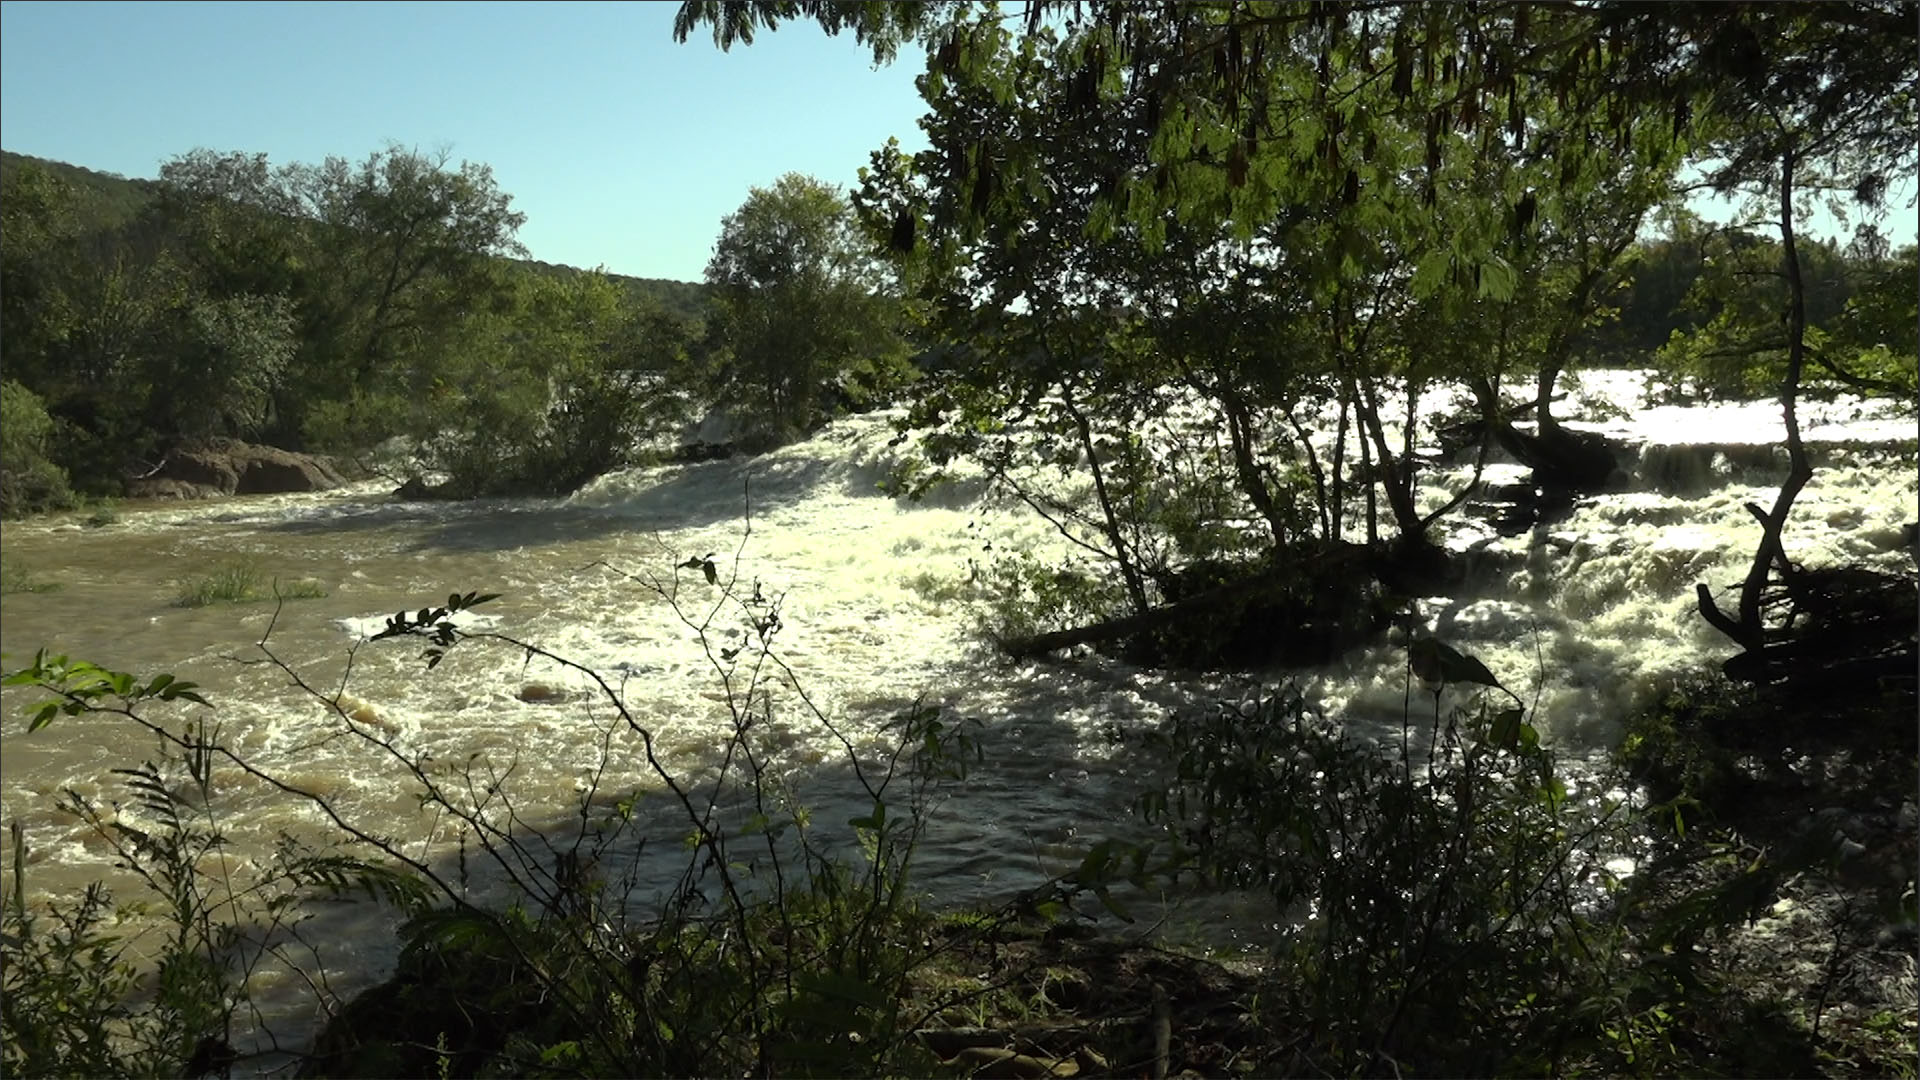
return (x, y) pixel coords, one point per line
(383, 259)
(39, 229)
(570, 378)
(1426, 143)
(1806, 100)
(807, 319)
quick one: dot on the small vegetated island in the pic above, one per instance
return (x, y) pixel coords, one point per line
(1250, 302)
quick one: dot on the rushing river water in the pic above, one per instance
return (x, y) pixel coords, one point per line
(1586, 615)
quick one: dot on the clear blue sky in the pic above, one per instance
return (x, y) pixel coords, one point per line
(621, 147)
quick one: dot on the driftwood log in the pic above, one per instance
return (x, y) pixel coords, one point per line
(1302, 608)
(1124, 627)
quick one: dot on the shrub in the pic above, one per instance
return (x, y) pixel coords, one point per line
(784, 948)
(18, 578)
(779, 950)
(1450, 903)
(77, 1000)
(29, 482)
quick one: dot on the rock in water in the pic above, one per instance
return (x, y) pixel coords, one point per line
(230, 467)
(535, 693)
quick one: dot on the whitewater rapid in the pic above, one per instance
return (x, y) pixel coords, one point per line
(1583, 618)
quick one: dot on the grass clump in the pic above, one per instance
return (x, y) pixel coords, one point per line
(15, 578)
(302, 589)
(229, 583)
(241, 582)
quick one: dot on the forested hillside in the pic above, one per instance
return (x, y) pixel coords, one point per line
(105, 201)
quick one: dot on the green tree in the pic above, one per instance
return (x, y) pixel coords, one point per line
(218, 372)
(382, 259)
(29, 481)
(570, 378)
(806, 320)
(38, 231)
(1343, 222)
(1807, 101)
(1871, 342)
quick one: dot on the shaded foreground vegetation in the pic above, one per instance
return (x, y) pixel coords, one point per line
(1268, 216)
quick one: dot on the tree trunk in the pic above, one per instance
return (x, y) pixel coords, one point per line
(1396, 477)
(1373, 501)
(1339, 498)
(1543, 395)
(1240, 434)
(1130, 574)
(1748, 630)
(1318, 473)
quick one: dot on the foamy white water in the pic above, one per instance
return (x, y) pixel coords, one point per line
(1586, 616)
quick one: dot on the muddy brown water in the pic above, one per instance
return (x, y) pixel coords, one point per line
(1585, 617)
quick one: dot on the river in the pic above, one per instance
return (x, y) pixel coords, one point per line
(1586, 616)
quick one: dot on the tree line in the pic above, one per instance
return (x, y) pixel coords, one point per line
(351, 306)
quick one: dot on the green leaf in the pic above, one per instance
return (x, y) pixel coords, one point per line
(1435, 661)
(1093, 868)
(836, 987)
(44, 716)
(1497, 279)
(1505, 731)
(1107, 901)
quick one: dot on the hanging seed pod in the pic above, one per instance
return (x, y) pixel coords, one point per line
(982, 190)
(1523, 212)
(1402, 66)
(1237, 165)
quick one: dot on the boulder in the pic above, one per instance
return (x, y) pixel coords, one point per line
(230, 467)
(535, 693)
(205, 468)
(265, 470)
(165, 487)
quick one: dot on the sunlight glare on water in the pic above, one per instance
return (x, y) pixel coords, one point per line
(1583, 616)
